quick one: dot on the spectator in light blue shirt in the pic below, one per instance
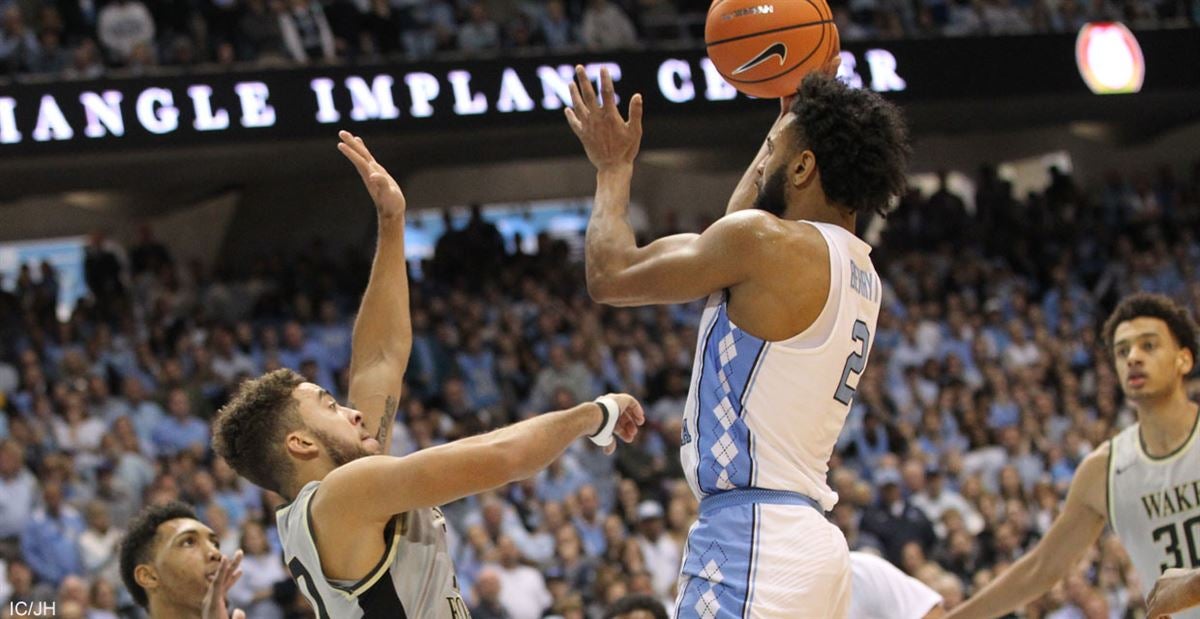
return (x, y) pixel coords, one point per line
(590, 522)
(50, 540)
(144, 413)
(478, 368)
(181, 429)
(559, 481)
(556, 26)
(297, 349)
(334, 335)
(18, 487)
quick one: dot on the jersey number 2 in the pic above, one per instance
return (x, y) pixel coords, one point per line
(854, 363)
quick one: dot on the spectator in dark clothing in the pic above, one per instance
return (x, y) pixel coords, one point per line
(448, 253)
(102, 271)
(18, 44)
(381, 27)
(259, 36)
(945, 213)
(896, 522)
(148, 254)
(346, 23)
(222, 17)
(306, 32)
(51, 57)
(79, 19)
(482, 242)
(639, 606)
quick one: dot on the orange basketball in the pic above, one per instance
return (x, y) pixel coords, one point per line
(765, 47)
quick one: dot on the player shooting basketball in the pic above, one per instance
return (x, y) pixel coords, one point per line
(792, 302)
(362, 534)
(1145, 482)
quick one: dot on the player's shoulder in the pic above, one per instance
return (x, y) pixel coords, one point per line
(348, 484)
(749, 222)
(1096, 462)
(1090, 483)
(769, 233)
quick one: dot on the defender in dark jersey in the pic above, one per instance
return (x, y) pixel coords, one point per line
(362, 535)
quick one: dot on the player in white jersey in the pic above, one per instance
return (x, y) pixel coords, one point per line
(362, 534)
(879, 590)
(1145, 482)
(1177, 589)
(792, 303)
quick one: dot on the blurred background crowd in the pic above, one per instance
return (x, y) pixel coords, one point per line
(81, 39)
(986, 387)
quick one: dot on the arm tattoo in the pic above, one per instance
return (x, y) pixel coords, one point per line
(385, 422)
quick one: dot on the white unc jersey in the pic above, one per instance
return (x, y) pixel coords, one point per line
(1154, 506)
(767, 414)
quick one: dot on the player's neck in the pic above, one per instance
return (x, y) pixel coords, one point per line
(312, 470)
(821, 212)
(1166, 423)
(165, 609)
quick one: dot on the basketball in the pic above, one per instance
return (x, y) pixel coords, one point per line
(765, 47)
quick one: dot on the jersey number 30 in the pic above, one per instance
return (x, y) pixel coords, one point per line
(1175, 556)
(854, 363)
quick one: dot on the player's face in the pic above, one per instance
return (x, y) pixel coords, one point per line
(186, 557)
(772, 175)
(771, 194)
(338, 428)
(1150, 363)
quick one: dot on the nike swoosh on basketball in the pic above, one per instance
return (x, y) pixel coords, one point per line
(774, 49)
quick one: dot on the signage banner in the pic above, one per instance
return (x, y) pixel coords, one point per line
(199, 108)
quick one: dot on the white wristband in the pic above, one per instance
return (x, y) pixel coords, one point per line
(612, 412)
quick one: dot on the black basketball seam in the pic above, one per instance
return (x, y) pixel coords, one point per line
(818, 8)
(782, 72)
(772, 31)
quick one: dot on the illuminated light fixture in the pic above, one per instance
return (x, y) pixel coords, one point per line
(1109, 58)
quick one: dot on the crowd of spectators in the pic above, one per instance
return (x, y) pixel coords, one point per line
(985, 388)
(87, 38)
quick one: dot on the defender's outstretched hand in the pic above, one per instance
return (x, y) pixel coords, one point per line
(608, 139)
(214, 601)
(384, 190)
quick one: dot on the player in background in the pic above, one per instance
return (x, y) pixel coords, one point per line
(1144, 482)
(792, 302)
(879, 590)
(361, 533)
(172, 565)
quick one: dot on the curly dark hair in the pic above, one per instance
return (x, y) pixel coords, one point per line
(635, 602)
(248, 431)
(138, 545)
(1146, 305)
(860, 142)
